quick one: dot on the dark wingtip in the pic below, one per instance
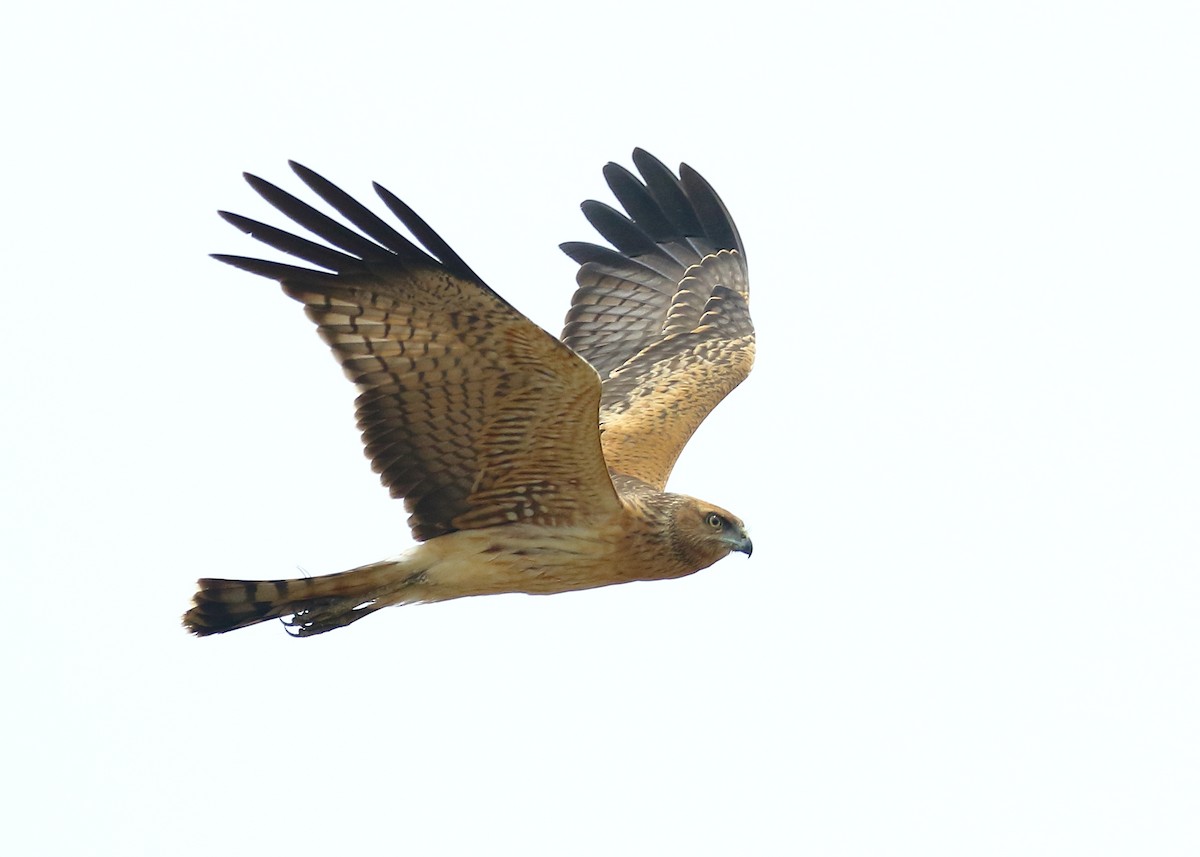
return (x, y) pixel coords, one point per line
(306, 174)
(643, 158)
(238, 221)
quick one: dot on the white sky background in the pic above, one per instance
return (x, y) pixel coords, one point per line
(967, 455)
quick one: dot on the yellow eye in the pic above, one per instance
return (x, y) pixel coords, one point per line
(714, 521)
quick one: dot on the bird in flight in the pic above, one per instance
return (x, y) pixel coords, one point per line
(526, 463)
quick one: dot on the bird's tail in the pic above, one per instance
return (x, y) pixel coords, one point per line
(316, 604)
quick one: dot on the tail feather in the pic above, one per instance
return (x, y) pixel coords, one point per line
(317, 604)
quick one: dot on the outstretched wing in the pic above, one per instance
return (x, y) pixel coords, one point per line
(665, 317)
(468, 410)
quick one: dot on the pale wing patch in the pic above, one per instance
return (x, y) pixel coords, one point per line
(652, 405)
(664, 316)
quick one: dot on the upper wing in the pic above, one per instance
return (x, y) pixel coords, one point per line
(664, 318)
(468, 410)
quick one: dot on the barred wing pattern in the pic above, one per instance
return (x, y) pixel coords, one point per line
(450, 376)
(664, 318)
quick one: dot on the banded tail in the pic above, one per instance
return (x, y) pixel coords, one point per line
(316, 604)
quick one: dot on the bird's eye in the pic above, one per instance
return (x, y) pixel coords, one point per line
(714, 521)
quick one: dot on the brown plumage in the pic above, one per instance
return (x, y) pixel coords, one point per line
(527, 464)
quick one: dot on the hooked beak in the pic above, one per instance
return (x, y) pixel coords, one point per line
(742, 545)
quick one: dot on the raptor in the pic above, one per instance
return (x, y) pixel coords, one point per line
(526, 463)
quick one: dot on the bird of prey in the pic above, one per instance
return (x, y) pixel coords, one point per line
(526, 463)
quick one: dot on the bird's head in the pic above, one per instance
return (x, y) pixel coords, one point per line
(704, 533)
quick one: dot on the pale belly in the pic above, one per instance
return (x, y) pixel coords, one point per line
(518, 558)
